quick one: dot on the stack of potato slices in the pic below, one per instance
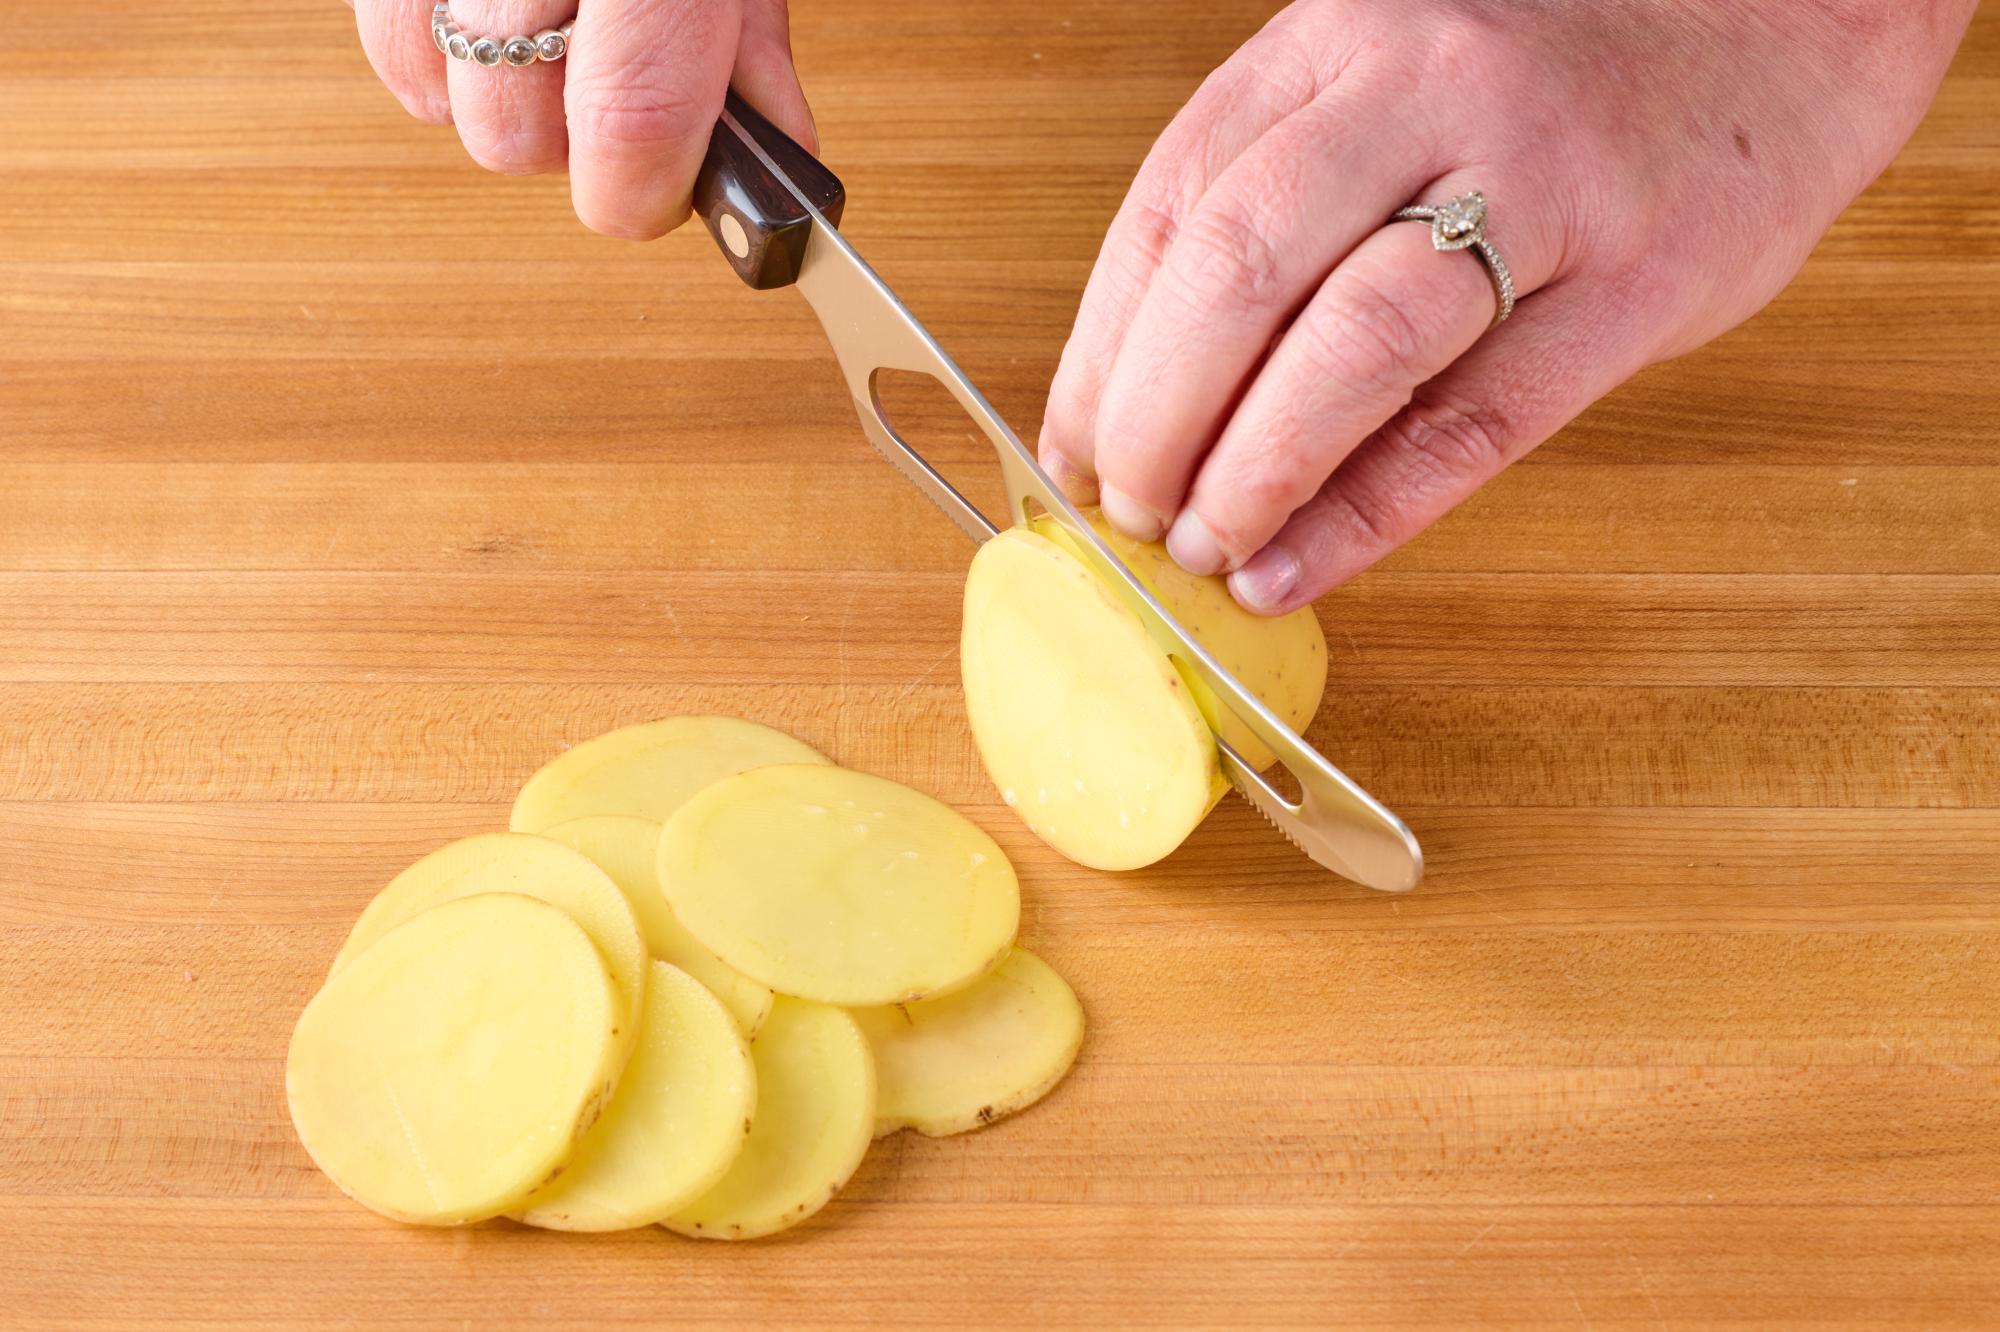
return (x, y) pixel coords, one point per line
(704, 969)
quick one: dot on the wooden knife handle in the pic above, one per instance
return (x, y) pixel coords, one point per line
(757, 223)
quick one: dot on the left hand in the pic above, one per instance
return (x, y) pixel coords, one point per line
(1289, 388)
(628, 111)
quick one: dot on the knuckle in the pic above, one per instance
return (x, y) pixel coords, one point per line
(1442, 443)
(1152, 227)
(637, 109)
(1368, 342)
(1265, 494)
(1368, 516)
(630, 226)
(511, 147)
(1223, 260)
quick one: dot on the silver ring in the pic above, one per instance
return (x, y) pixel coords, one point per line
(1460, 224)
(549, 44)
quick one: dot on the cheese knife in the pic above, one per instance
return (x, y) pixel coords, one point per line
(774, 209)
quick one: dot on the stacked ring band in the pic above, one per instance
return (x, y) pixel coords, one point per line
(519, 50)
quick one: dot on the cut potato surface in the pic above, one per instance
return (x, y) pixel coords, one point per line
(680, 1116)
(815, 1118)
(517, 863)
(628, 850)
(963, 1061)
(837, 886)
(647, 771)
(1084, 724)
(448, 1071)
(1281, 659)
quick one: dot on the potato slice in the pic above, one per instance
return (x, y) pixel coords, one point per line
(1281, 659)
(962, 1061)
(646, 771)
(1083, 723)
(815, 1118)
(518, 863)
(680, 1116)
(448, 1071)
(837, 886)
(628, 850)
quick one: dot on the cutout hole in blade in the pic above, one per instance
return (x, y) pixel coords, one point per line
(921, 412)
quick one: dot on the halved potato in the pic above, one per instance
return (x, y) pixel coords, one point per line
(837, 886)
(646, 771)
(999, 1045)
(449, 1071)
(1086, 727)
(535, 867)
(628, 850)
(681, 1114)
(815, 1118)
(1281, 659)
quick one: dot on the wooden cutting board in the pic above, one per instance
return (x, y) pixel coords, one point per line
(341, 485)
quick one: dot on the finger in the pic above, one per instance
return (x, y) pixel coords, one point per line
(509, 119)
(646, 83)
(1269, 78)
(1263, 237)
(396, 35)
(1394, 314)
(1560, 352)
(765, 76)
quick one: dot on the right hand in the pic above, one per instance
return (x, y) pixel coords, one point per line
(628, 110)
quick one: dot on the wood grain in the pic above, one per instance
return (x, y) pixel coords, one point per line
(1696, 1020)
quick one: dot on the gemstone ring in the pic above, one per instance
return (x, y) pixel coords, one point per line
(1460, 224)
(517, 51)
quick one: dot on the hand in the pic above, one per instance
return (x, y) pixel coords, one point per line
(629, 109)
(1290, 389)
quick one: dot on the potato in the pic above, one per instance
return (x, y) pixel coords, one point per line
(446, 1073)
(1083, 723)
(1281, 659)
(628, 850)
(518, 863)
(960, 1062)
(646, 771)
(680, 1116)
(815, 1118)
(837, 886)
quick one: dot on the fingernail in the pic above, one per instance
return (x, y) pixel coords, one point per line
(1128, 515)
(1069, 479)
(1194, 547)
(1266, 579)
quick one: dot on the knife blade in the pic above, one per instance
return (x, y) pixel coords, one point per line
(773, 208)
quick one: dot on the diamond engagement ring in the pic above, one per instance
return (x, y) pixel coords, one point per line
(1460, 224)
(548, 44)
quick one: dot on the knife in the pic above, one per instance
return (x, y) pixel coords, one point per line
(773, 209)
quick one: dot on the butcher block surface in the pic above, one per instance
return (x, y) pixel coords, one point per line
(342, 485)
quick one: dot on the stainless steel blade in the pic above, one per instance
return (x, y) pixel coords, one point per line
(1334, 821)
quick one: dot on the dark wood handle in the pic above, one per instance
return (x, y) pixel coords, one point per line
(759, 226)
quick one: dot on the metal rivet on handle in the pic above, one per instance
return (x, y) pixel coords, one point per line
(734, 236)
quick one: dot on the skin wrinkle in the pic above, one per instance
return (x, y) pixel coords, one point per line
(1612, 137)
(1679, 158)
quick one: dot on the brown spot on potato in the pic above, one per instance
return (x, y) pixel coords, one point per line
(985, 1115)
(746, 1127)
